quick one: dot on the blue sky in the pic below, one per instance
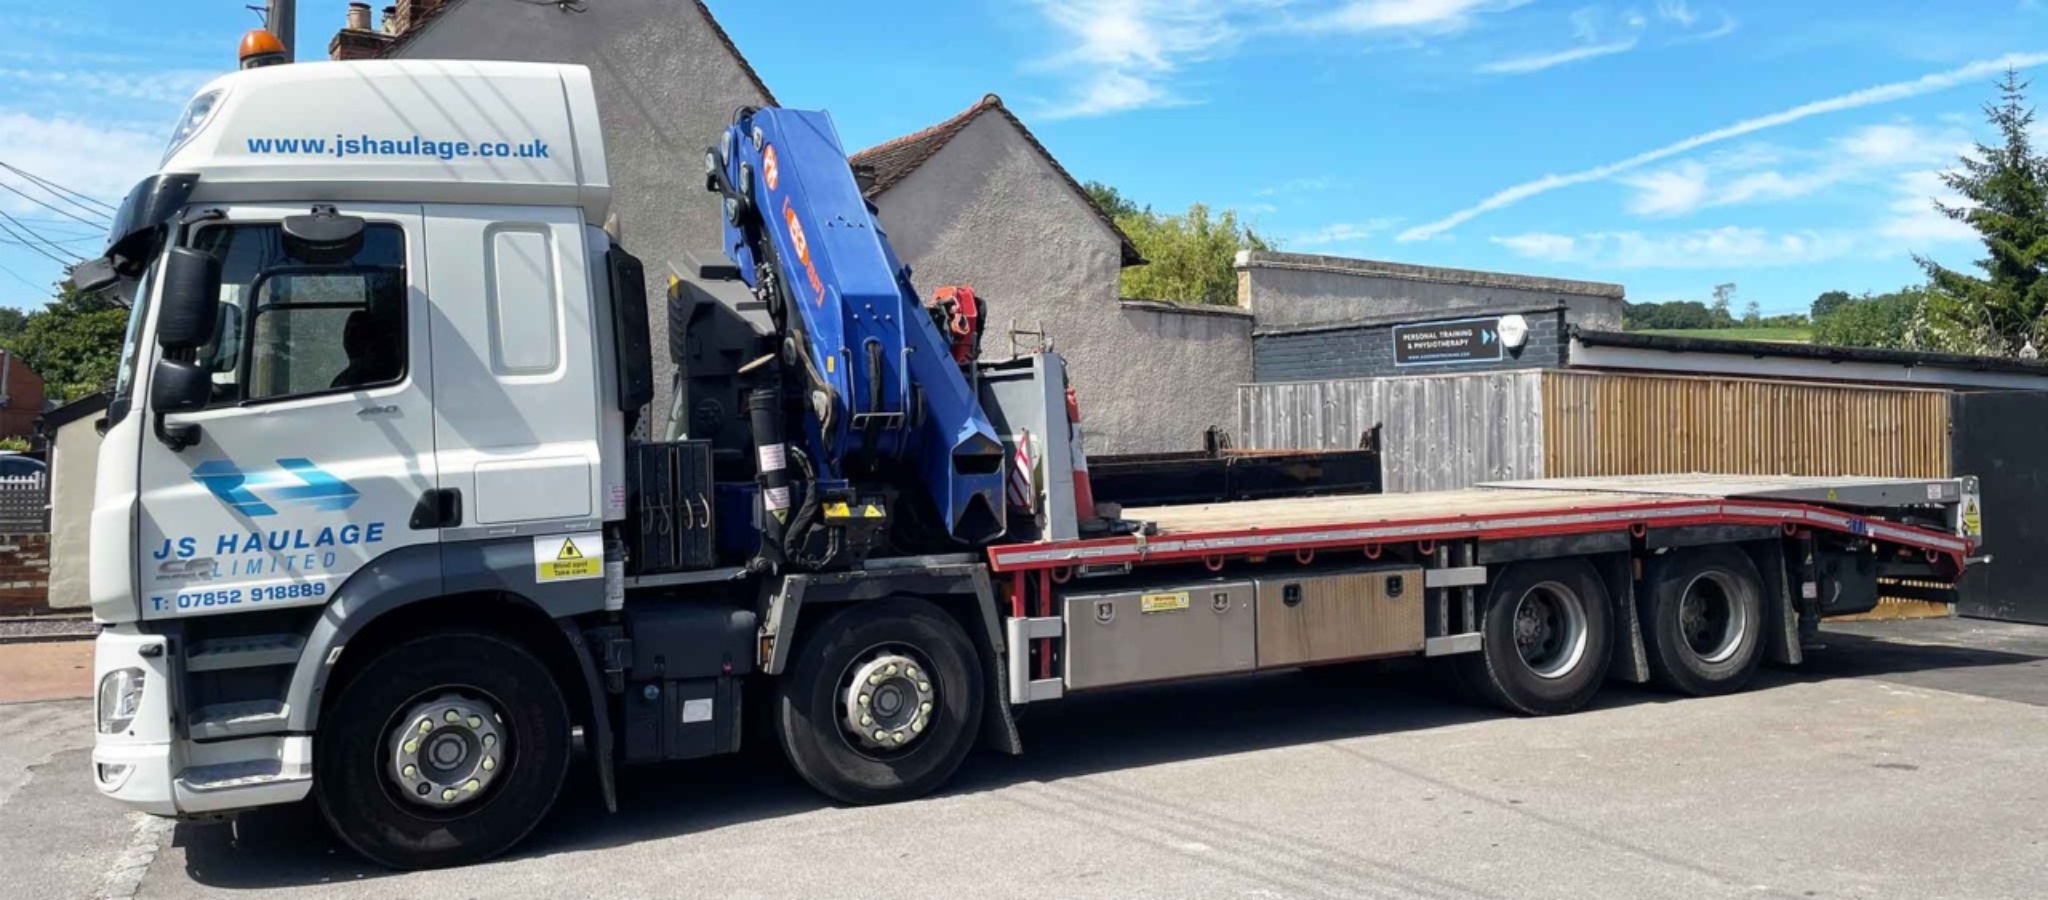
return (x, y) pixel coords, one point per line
(1670, 145)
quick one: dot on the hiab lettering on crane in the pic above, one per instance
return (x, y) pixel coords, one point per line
(803, 252)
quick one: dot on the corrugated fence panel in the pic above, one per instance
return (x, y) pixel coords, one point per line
(1438, 432)
(1599, 423)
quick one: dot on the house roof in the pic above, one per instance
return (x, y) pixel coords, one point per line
(717, 30)
(1718, 356)
(87, 405)
(891, 162)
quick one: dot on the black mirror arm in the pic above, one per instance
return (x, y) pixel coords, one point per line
(175, 436)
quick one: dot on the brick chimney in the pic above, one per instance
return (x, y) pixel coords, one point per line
(413, 13)
(389, 24)
(357, 40)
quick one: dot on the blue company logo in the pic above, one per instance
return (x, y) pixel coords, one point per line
(313, 487)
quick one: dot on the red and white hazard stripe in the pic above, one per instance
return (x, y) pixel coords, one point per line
(1022, 493)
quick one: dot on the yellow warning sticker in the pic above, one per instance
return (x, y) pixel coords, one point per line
(872, 511)
(837, 510)
(1167, 602)
(1973, 519)
(568, 557)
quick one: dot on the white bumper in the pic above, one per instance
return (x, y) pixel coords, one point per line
(145, 767)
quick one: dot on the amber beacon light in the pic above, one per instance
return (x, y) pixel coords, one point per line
(261, 48)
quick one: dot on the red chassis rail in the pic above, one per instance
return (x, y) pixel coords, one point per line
(1637, 517)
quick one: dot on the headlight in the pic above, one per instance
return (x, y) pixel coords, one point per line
(120, 697)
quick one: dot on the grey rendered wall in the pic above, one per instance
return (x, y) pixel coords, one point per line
(989, 211)
(665, 85)
(1438, 433)
(1292, 290)
(74, 462)
(1368, 352)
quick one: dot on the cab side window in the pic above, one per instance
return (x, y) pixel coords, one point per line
(291, 329)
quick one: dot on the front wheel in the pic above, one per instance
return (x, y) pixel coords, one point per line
(1545, 640)
(883, 704)
(443, 751)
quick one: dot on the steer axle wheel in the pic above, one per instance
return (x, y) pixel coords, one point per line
(444, 750)
(883, 704)
(1703, 620)
(1545, 638)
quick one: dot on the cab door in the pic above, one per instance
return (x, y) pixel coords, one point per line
(317, 442)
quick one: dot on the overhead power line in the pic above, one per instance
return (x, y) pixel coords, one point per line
(25, 238)
(102, 223)
(67, 194)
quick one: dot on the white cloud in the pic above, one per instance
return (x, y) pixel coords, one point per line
(166, 87)
(1885, 93)
(1311, 184)
(1541, 245)
(1913, 219)
(1429, 16)
(102, 161)
(1727, 247)
(1128, 47)
(1678, 12)
(1868, 154)
(1346, 232)
(1124, 55)
(1522, 65)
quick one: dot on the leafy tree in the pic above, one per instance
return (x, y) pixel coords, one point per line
(1112, 202)
(1724, 294)
(1752, 314)
(1192, 256)
(11, 320)
(1829, 302)
(1674, 315)
(2000, 313)
(1883, 320)
(74, 343)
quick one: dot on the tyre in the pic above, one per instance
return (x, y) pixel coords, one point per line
(884, 703)
(1703, 625)
(443, 751)
(1545, 639)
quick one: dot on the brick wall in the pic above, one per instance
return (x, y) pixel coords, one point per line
(1367, 351)
(24, 573)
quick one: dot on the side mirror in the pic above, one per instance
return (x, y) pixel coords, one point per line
(94, 275)
(323, 238)
(191, 296)
(177, 386)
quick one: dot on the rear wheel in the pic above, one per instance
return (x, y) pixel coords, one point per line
(445, 750)
(1545, 639)
(1704, 625)
(884, 702)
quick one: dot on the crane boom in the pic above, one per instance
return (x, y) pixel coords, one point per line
(884, 402)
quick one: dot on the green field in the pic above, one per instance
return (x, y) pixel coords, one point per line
(1792, 335)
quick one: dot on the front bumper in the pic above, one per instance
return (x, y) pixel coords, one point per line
(149, 768)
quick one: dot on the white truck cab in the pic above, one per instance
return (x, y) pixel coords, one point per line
(375, 298)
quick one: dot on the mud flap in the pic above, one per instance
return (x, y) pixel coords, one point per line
(1781, 614)
(1629, 661)
(600, 728)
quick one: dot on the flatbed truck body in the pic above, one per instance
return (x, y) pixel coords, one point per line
(377, 522)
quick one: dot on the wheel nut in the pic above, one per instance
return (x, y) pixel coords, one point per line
(864, 698)
(426, 725)
(924, 707)
(411, 771)
(490, 739)
(867, 720)
(910, 671)
(890, 669)
(448, 794)
(490, 764)
(917, 727)
(472, 786)
(475, 722)
(899, 738)
(452, 717)
(881, 735)
(924, 687)
(412, 746)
